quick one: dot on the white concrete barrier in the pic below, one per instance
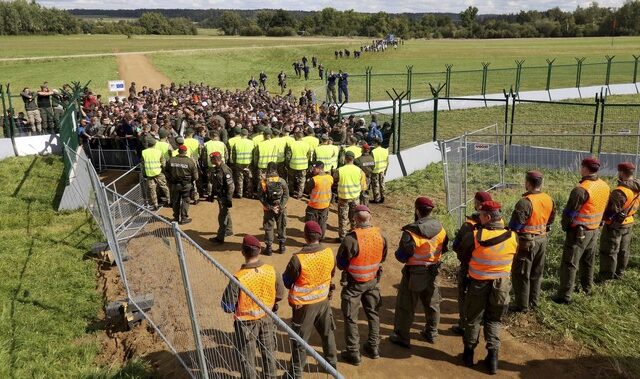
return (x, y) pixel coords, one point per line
(412, 160)
(47, 144)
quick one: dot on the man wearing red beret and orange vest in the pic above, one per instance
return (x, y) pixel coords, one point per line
(251, 323)
(581, 220)
(470, 224)
(532, 218)
(615, 241)
(360, 255)
(489, 252)
(421, 245)
(308, 277)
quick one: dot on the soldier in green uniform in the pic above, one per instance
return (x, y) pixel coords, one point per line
(471, 223)
(360, 256)
(241, 153)
(181, 173)
(532, 218)
(224, 187)
(615, 241)
(420, 248)
(274, 194)
(366, 163)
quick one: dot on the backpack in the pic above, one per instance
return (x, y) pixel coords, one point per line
(273, 189)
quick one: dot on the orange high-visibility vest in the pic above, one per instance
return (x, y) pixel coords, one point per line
(541, 208)
(364, 267)
(261, 281)
(320, 197)
(263, 185)
(494, 261)
(590, 214)
(630, 206)
(312, 286)
(428, 250)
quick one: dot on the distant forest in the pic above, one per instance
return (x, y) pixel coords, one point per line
(22, 17)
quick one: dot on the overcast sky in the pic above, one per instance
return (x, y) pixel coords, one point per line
(391, 6)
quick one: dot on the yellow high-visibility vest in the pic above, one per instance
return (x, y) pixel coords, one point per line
(327, 155)
(312, 141)
(355, 149)
(381, 159)
(267, 152)
(164, 148)
(213, 146)
(243, 151)
(299, 155)
(349, 185)
(193, 145)
(152, 159)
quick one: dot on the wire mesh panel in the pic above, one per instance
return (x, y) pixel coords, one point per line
(484, 147)
(621, 72)
(533, 78)
(500, 79)
(453, 163)
(416, 123)
(421, 80)
(233, 348)
(381, 83)
(462, 119)
(593, 74)
(465, 83)
(563, 76)
(583, 112)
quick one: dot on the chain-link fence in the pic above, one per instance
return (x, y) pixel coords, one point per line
(477, 161)
(157, 261)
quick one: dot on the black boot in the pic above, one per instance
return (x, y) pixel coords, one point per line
(491, 361)
(268, 251)
(281, 248)
(467, 357)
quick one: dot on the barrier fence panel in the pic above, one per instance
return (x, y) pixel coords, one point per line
(593, 74)
(416, 124)
(500, 79)
(533, 78)
(421, 80)
(453, 154)
(621, 72)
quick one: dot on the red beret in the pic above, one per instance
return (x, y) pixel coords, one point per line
(483, 196)
(182, 148)
(312, 227)
(490, 206)
(215, 154)
(591, 163)
(365, 146)
(534, 174)
(626, 166)
(362, 208)
(424, 202)
(250, 241)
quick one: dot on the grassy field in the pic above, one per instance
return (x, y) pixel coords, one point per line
(48, 287)
(603, 321)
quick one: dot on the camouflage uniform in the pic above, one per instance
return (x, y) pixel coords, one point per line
(181, 173)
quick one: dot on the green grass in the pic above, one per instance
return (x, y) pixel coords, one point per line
(605, 321)
(48, 290)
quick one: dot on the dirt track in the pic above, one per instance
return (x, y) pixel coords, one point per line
(153, 268)
(137, 68)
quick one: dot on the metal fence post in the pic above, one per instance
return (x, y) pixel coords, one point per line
(370, 76)
(579, 73)
(595, 123)
(436, 94)
(447, 83)
(396, 146)
(519, 64)
(485, 74)
(603, 100)
(192, 311)
(607, 77)
(409, 81)
(549, 66)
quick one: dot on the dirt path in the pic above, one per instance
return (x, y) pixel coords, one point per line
(137, 68)
(519, 359)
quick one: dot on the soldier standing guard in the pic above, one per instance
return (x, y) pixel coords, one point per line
(181, 172)
(152, 163)
(223, 184)
(360, 255)
(274, 196)
(250, 322)
(421, 245)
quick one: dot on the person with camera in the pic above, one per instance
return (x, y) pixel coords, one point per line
(274, 194)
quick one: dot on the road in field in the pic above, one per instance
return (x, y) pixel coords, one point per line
(137, 68)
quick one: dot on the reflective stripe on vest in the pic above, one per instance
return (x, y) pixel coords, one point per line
(326, 154)
(261, 282)
(591, 212)
(212, 147)
(349, 185)
(364, 267)
(312, 286)
(267, 152)
(381, 159)
(299, 155)
(356, 150)
(492, 262)
(164, 148)
(152, 164)
(630, 206)
(541, 208)
(428, 250)
(243, 151)
(320, 197)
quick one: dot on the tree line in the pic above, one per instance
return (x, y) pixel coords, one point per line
(23, 17)
(19, 17)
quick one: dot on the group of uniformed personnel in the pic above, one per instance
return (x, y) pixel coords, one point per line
(270, 167)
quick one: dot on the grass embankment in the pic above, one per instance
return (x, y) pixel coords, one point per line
(48, 288)
(604, 321)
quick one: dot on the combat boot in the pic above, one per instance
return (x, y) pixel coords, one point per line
(491, 361)
(281, 248)
(467, 357)
(267, 250)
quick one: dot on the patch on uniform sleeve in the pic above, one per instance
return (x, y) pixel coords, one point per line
(228, 176)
